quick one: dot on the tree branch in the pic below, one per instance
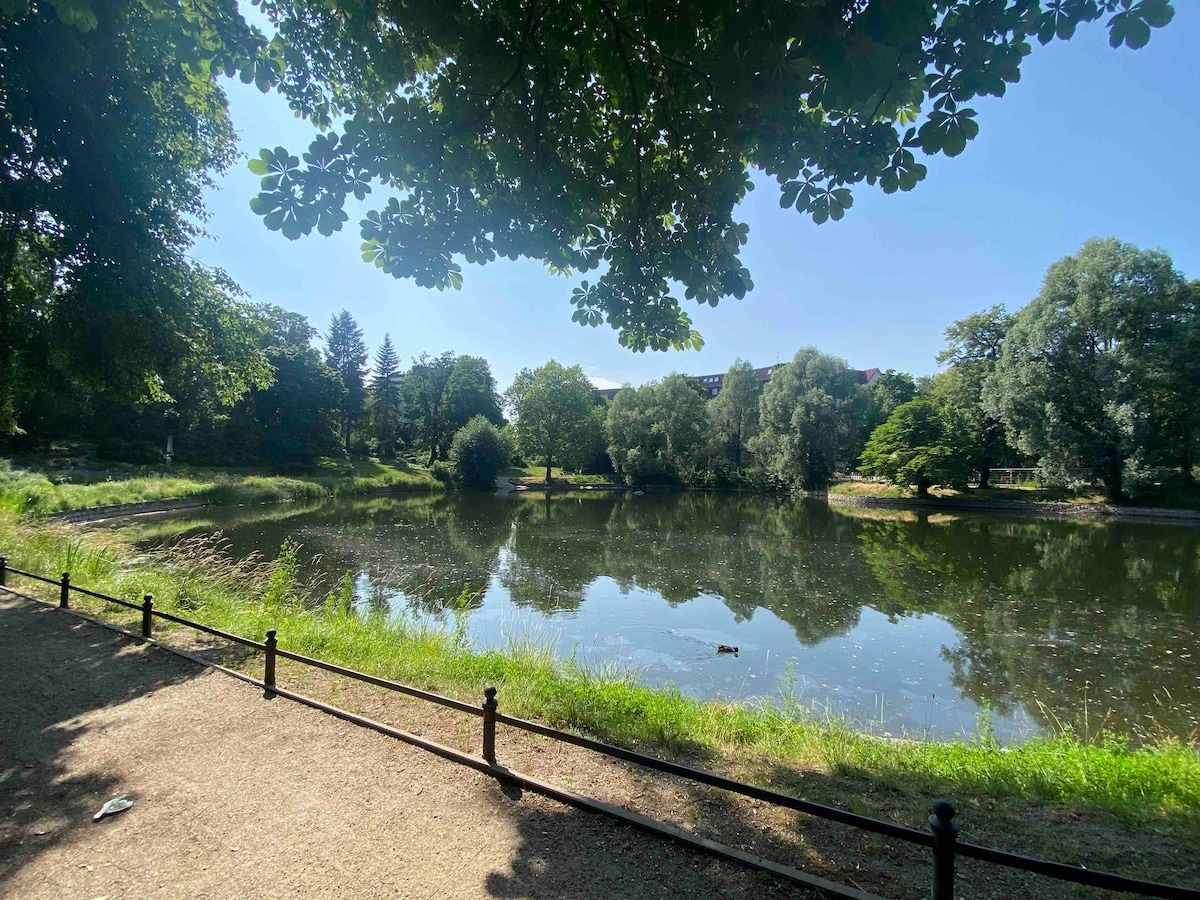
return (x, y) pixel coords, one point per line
(637, 110)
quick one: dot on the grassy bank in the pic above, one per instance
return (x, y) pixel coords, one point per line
(535, 475)
(1152, 498)
(36, 491)
(1155, 787)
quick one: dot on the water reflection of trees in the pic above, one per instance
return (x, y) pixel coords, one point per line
(557, 549)
(752, 552)
(1048, 612)
(430, 548)
(1070, 620)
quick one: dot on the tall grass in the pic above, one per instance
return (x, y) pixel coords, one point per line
(1153, 786)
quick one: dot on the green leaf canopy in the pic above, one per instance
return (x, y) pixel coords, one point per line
(615, 135)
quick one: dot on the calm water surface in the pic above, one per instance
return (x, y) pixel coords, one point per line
(898, 622)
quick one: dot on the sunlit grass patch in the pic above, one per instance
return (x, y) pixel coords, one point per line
(35, 493)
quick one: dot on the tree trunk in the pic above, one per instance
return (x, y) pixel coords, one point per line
(1185, 461)
(985, 474)
(1112, 483)
(923, 488)
(548, 463)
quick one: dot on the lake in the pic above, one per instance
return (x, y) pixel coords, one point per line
(925, 625)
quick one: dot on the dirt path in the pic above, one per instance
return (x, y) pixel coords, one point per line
(239, 796)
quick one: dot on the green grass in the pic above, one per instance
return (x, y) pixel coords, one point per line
(32, 491)
(538, 473)
(1153, 786)
(868, 489)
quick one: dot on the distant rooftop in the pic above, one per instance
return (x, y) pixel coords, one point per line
(712, 383)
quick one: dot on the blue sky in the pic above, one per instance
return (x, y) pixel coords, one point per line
(1092, 141)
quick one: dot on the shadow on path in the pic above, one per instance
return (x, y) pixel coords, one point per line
(55, 668)
(607, 859)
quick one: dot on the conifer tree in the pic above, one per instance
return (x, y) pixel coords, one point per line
(385, 397)
(346, 354)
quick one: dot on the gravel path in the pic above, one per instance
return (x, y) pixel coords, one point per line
(239, 796)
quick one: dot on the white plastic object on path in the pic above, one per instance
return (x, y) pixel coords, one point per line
(117, 804)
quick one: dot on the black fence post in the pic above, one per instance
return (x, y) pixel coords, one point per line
(489, 724)
(147, 615)
(269, 667)
(3, 570)
(64, 596)
(945, 835)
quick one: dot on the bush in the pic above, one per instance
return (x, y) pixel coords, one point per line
(477, 453)
(442, 471)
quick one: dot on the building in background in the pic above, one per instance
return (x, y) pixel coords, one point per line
(712, 383)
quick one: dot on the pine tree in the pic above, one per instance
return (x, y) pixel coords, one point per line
(385, 396)
(346, 354)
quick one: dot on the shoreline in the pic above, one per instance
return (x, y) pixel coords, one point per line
(1086, 512)
(1089, 512)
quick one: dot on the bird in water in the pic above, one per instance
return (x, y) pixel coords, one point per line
(725, 648)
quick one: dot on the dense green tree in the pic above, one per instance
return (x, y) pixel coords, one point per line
(477, 453)
(890, 390)
(112, 126)
(593, 456)
(290, 421)
(229, 357)
(617, 134)
(346, 354)
(189, 396)
(387, 404)
(680, 417)
(471, 392)
(633, 444)
(428, 401)
(920, 445)
(876, 403)
(1073, 384)
(1173, 384)
(805, 426)
(659, 431)
(973, 346)
(554, 414)
(298, 412)
(733, 416)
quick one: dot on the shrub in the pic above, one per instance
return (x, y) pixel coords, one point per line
(477, 453)
(442, 471)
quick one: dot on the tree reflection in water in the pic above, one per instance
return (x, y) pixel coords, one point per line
(1051, 617)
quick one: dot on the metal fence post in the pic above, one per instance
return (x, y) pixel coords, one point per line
(269, 666)
(945, 835)
(64, 596)
(489, 724)
(147, 615)
(3, 570)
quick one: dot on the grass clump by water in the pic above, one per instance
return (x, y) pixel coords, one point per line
(1152, 786)
(37, 492)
